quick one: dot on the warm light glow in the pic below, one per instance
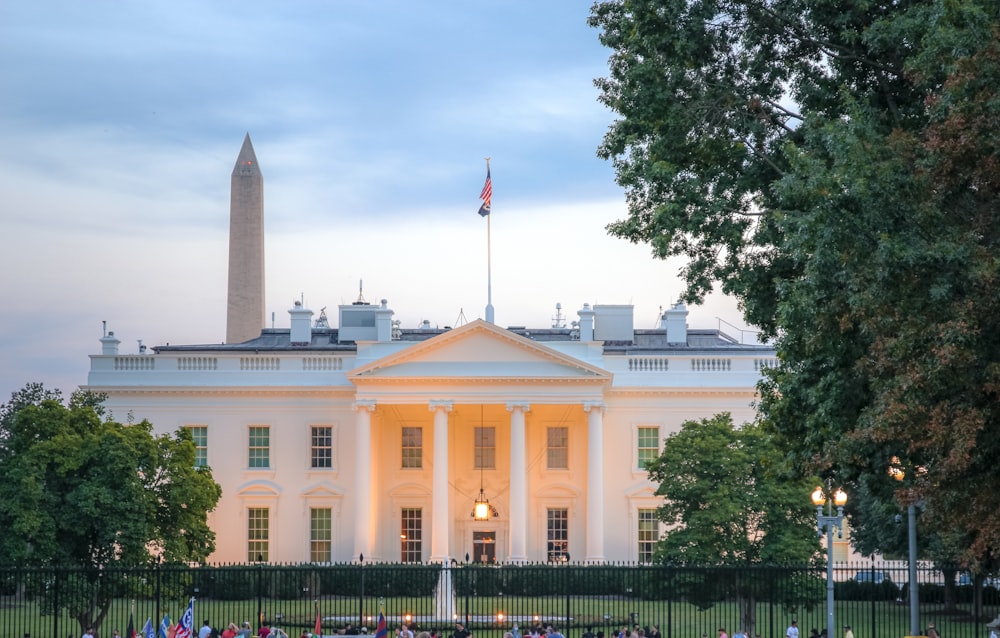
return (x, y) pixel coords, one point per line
(840, 498)
(500, 616)
(481, 511)
(818, 497)
(408, 618)
(896, 469)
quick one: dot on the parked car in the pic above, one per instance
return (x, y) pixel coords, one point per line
(869, 576)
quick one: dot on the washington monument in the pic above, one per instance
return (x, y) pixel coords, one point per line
(245, 314)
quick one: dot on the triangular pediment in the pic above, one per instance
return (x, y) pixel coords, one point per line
(479, 350)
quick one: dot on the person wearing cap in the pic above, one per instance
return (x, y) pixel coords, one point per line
(793, 630)
(848, 632)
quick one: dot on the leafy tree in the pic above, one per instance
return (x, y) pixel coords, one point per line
(836, 167)
(727, 506)
(77, 491)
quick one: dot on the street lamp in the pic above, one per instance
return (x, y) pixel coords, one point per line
(826, 523)
(896, 472)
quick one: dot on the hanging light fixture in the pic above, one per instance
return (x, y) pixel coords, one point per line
(481, 509)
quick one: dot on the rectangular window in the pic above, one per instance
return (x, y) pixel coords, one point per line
(260, 446)
(413, 447)
(411, 535)
(486, 448)
(322, 446)
(257, 534)
(649, 532)
(648, 445)
(558, 535)
(320, 534)
(199, 434)
(557, 448)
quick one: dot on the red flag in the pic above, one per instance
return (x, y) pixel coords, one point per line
(130, 632)
(318, 630)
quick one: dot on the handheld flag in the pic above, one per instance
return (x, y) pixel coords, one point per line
(164, 627)
(185, 628)
(318, 629)
(487, 193)
(130, 632)
(147, 629)
(380, 628)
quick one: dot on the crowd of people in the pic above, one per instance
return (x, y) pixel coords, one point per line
(536, 630)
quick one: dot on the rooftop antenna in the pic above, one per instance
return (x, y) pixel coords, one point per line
(104, 328)
(559, 321)
(461, 321)
(361, 292)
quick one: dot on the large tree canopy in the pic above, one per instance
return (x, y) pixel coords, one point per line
(77, 490)
(727, 504)
(835, 165)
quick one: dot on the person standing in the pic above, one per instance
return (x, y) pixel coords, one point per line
(793, 630)
(205, 631)
(461, 631)
(848, 632)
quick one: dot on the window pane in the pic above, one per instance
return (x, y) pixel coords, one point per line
(413, 447)
(199, 434)
(649, 529)
(411, 535)
(322, 446)
(260, 450)
(648, 445)
(558, 535)
(320, 534)
(557, 450)
(485, 448)
(257, 534)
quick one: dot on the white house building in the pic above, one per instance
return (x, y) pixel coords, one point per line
(373, 440)
(367, 439)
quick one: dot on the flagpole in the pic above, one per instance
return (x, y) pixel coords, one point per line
(489, 262)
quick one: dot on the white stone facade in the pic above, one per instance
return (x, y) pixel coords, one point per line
(329, 449)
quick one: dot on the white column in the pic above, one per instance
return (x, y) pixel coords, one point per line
(440, 541)
(595, 481)
(363, 478)
(518, 550)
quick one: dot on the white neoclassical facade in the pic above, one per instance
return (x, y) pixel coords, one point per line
(365, 439)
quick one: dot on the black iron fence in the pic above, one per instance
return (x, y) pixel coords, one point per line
(682, 602)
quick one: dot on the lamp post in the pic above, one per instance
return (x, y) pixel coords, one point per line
(826, 523)
(896, 472)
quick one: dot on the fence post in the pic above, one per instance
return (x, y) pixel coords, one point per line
(361, 594)
(55, 604)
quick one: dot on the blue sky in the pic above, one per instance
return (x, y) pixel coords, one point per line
(120, 124)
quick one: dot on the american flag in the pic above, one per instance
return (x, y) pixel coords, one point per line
(487, 194)
(185, 628)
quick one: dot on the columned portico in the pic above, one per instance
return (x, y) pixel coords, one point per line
(440, 527)
(595, 481)
(363, 477)
(518, 550)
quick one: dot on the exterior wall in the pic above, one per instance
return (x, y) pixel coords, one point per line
(291, 392)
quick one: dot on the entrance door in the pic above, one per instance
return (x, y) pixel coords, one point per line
(484, 544)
